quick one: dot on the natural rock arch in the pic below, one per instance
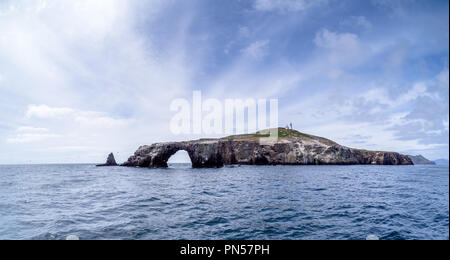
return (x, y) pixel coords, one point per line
(180, 156)
(157, 155)
(163, 154)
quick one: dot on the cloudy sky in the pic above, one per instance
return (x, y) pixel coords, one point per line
(79, 79)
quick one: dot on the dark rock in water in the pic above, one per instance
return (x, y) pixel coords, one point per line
(290, 148)
(110, 161)
(419, 159)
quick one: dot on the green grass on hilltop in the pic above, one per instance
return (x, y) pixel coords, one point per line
(282, 133)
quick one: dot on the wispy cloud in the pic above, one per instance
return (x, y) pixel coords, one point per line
(85, 78)
(257, 50)
(337, 41)
(30, 137)
(31, 129)
(357, 21)
(79, 116)
(284, 5)
(44, 111)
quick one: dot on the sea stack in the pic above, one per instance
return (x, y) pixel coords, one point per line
(111, 161)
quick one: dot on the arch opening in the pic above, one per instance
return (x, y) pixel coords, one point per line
(180, 159)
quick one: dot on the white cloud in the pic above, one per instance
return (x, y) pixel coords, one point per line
(106, 70)
(44, 111)
(272, 83)
(31, 129)
(97, 119)
(378, 136)
(337, 52)
(72, 49)
(30, 137)
(443, 78)
(28, 134)
(284, 5)
(69, 131)
(91, 118)
(91, 73)
(257, 50)
(357, 21)
(70, 122)
(337, 41)
(326, 116)
(385, 119)
(418, 90)
(395, 8)
(381, 95)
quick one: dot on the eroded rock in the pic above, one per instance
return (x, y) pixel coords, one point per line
(291, 148)
(110, 161)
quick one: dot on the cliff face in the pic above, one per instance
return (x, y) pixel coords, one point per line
(291, 148)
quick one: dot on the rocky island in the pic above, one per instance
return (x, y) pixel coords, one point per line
(419, 159)
(289, 148)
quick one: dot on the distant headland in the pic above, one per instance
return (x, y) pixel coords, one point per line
(290, 147)
(419, 159)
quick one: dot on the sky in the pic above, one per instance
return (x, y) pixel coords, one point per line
(80, 79)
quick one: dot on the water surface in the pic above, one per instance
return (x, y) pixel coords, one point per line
(247, 202)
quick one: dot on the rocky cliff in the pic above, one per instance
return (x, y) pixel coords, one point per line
(290, 148)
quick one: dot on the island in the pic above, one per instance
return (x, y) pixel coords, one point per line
(291, 147)
(419, 159)
(441, 162)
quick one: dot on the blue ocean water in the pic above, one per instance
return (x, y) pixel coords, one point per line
(247, 202)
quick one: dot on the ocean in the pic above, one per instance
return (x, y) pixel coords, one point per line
(246, 202)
